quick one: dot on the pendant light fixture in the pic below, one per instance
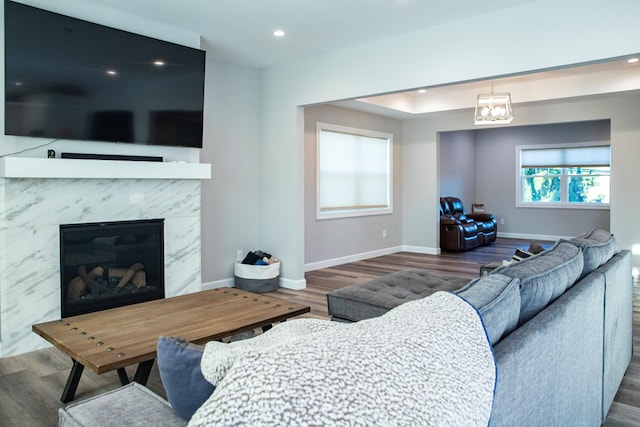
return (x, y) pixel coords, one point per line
(493, 108)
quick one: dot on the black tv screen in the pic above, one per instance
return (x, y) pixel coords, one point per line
(66, 78)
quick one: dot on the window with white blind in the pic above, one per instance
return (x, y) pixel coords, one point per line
(575, 175)
(354, 172)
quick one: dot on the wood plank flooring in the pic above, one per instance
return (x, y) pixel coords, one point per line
(31, 384)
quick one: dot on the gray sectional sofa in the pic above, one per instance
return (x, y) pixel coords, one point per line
(564, 365)
(559, 322)
(561, 357)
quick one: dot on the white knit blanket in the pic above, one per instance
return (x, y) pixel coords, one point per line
(426, 362)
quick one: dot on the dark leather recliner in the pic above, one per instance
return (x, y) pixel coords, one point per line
(460, 231)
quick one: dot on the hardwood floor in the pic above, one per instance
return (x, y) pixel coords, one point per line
(31, 384)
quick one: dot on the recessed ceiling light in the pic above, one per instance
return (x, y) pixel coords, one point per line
(158, 63)
(278, 33)
(633, 60)
(112, 72)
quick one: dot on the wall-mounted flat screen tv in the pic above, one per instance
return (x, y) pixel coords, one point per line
(66, 78)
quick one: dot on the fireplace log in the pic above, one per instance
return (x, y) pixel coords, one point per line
(88, 278)
(78, 285)
(117, 273)
(129, 274)
(139, 279)
(76, 288)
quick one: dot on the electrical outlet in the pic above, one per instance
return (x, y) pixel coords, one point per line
(501, 221)
(384, 233)
(239, 255)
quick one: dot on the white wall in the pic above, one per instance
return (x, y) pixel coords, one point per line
(574, 32)
(339, 240)
(625, 153)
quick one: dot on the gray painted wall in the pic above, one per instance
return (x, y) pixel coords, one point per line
(492, 179)
(230, 199)
(496, 178)
(333, 239)
(457, 163)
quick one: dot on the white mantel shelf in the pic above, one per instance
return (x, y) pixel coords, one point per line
(26, 167)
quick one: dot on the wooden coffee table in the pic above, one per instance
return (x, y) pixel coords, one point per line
(116, 338)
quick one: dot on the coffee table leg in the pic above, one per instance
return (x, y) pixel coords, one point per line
(143, 371)
(124, 378)
(72, 382)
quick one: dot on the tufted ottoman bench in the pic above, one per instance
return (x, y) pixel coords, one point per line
(377, 296)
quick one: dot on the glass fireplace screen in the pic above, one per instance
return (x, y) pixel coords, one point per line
(110, 264)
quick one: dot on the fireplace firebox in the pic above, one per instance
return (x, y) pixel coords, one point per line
(110, 264)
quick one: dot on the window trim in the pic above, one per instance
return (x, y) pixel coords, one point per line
(354, 212)
(563, 204)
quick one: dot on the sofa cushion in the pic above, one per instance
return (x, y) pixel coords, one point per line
(598, 246)
(379, 295)
(544, 277)
(497, 299)
(179, 367)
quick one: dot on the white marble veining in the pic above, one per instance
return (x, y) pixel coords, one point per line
(31, 211)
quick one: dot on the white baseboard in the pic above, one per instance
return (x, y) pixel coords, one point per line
(225, 283)
(533, 236)
(296, 285)
(350, 258)
(421, 250)
(229, 283)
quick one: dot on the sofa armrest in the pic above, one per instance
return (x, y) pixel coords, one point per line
(445, 220)
(481, 217)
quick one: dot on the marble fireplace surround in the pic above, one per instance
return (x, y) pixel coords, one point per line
(37, 195)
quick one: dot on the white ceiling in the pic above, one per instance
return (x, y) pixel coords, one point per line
(241, 31)
(616, 75)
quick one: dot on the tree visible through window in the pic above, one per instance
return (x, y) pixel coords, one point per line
(353, 172)
(565, 176)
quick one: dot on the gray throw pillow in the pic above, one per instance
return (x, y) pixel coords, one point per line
(544, 277)
(598, 246)
(179, 367)
(497, 300)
